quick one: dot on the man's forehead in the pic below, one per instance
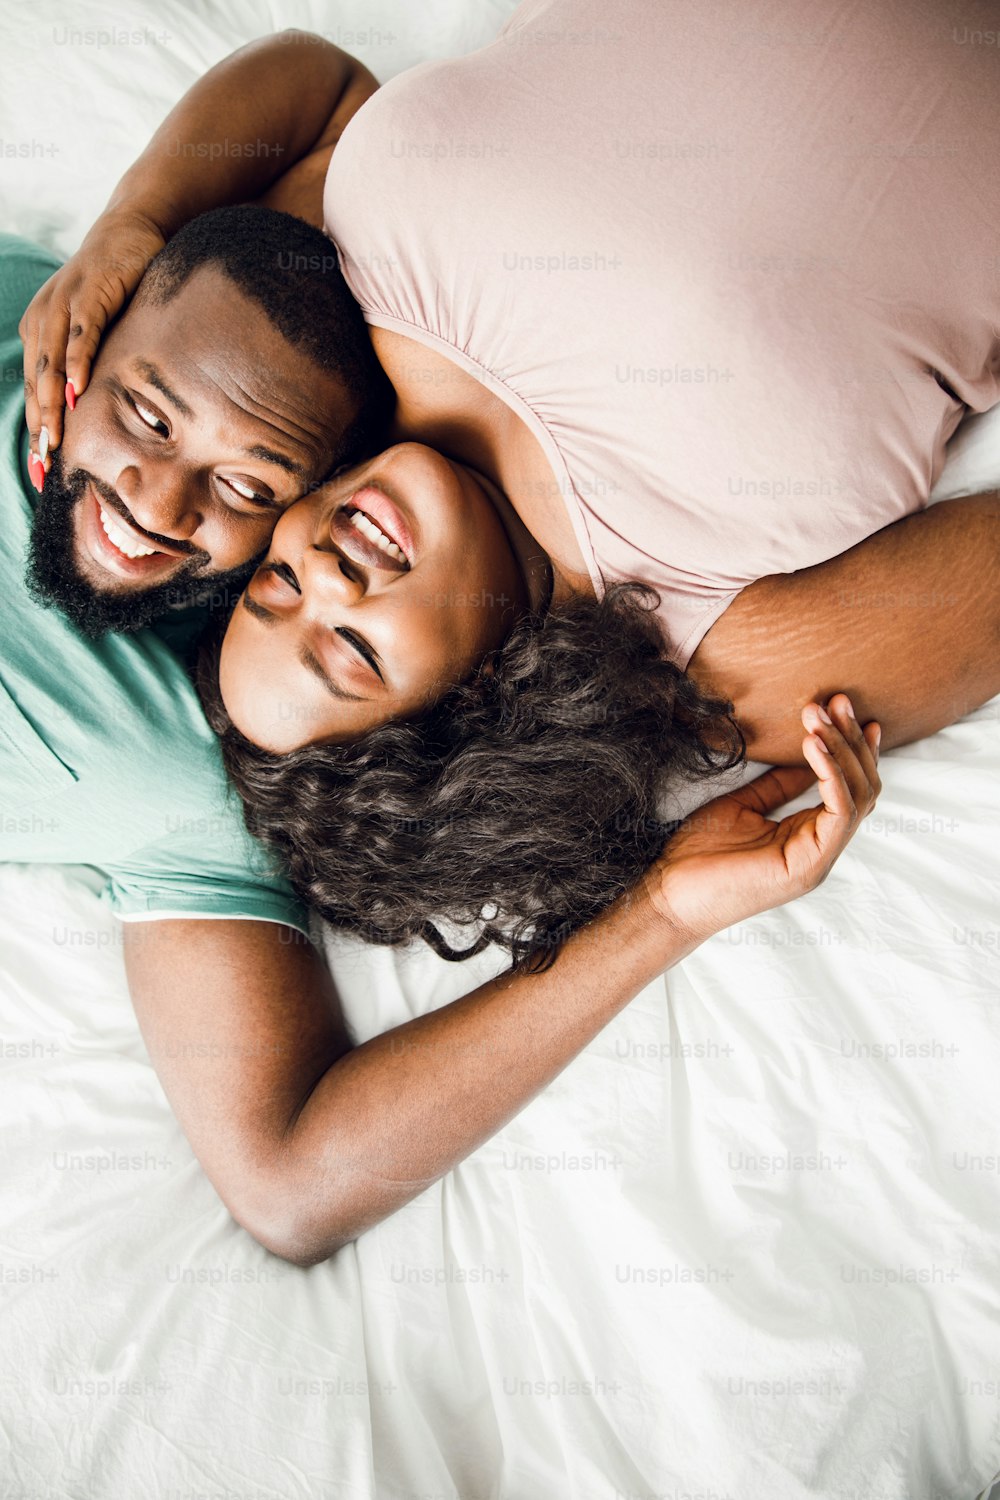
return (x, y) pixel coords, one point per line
(209, 321)
(212, 344)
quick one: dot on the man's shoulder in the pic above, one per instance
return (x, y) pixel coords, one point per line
(24, 267)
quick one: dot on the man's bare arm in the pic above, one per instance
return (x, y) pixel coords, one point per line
(309, 1141)
(907, 622)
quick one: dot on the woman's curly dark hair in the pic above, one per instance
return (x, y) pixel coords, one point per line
(523, 802)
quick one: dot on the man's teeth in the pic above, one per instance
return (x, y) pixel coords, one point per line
(121, 539)
(375, 534)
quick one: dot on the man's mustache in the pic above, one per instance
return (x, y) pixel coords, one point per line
(80, 478)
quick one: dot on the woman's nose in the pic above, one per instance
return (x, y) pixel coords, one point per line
(331, 577)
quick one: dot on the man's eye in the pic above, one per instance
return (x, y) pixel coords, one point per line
(150, 418)
(245, 491)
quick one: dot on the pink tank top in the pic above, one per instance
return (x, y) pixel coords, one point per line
(737, 265)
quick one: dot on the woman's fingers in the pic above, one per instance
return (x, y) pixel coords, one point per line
(28, 330)
(65, 349)
(61, 331)
(45, 431)
(86, 329)
(845, 766)
(773, 788)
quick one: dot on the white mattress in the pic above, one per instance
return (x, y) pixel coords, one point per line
(745, 1246)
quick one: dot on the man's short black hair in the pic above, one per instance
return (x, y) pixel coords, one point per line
(292, 271)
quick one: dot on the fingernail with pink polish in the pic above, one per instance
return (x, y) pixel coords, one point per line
(36, 472)
(70, 395)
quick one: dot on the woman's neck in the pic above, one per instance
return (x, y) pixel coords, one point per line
(443, 405)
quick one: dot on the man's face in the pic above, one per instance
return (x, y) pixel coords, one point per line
(200, 424)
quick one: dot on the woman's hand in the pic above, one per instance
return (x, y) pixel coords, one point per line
(65, 320)
(729, 861)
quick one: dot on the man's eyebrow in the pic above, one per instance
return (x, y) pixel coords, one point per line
(155, 379)
(306, 657)
(271, 455)
(258, 450)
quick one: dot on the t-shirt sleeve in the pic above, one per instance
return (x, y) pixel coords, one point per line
(209, 869)
(26, 267)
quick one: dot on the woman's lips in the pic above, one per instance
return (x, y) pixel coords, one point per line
(387, 516)
(358, 547)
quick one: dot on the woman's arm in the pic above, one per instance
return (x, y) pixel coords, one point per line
(907, 622)
(261, 125)
(309, 1141)
(251, 122)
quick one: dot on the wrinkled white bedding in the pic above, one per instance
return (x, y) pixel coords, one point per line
(745, 1246)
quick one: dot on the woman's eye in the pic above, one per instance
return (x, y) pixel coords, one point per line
(361, 647)
(150, 418)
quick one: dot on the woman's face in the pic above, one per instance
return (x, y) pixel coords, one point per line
(379, 592)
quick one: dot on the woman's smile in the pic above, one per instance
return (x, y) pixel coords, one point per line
(374, 513)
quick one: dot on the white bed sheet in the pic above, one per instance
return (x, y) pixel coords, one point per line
(745, 1246)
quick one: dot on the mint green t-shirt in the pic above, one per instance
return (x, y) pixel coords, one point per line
(106, 758)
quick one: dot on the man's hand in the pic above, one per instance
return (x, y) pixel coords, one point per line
(729, 860)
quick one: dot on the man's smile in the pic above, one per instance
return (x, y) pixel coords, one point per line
(120, 548)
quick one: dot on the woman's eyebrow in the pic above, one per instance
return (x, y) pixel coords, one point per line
(318, 670)
(306, 657)
(257, 610)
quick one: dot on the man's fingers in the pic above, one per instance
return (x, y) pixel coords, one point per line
(842, 710)
(815, 719)
(774, 788)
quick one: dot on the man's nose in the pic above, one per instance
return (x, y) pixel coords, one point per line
(160, 495)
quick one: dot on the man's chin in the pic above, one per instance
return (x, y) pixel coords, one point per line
(61, 575)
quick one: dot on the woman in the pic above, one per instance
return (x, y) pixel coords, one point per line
(530, 788)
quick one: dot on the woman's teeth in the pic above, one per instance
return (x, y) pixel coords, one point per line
(121, 539)
(375, 534)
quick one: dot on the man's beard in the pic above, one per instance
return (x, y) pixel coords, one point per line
(53, 577)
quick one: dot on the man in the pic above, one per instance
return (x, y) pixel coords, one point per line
(172, 472)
